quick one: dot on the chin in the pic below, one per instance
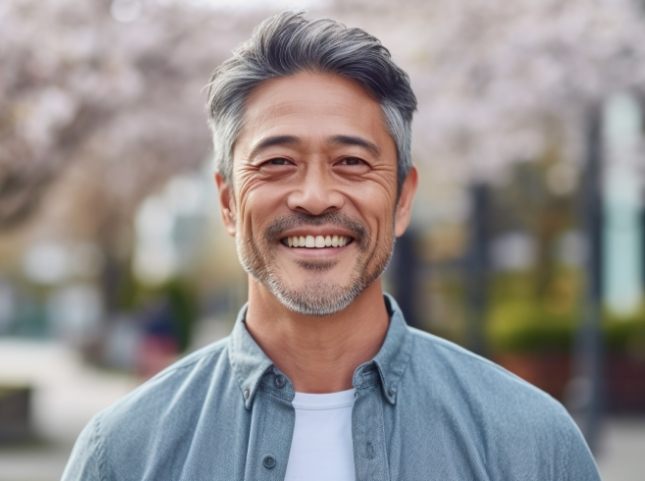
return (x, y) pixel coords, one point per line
(318, 299)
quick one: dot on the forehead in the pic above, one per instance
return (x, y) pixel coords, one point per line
(312, 106)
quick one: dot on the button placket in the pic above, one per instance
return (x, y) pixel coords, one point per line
(369, 437)
(270, 436)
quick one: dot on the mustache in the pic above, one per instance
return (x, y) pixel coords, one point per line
(275, 230)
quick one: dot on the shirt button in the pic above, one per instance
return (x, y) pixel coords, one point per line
(268, 462)
(247, 393)
(280, 381)
(369, 450)
(391, 391)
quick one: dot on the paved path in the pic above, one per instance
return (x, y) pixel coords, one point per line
(67, 393)
(621, 455)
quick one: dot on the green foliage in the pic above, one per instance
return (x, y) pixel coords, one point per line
(179, 293)
(525, 327)
(529, 328)
(182, 298)
(625, 334)
(7, 390)
(519, 320)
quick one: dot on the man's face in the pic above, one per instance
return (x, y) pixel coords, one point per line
(313, 201)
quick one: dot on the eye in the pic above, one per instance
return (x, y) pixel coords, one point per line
(351, 161)
(276, 163)
(352, 165)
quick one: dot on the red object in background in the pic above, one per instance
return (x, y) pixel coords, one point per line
(154, 354)
(625, 383)
(550, 372)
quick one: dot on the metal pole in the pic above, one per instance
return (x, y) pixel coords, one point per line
(477, 267)
(589, 346)
(404, 269)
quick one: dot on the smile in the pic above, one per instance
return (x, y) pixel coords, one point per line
(317, 241)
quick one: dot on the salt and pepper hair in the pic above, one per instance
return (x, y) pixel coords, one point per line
(288, 43)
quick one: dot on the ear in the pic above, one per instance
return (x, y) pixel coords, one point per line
(226, 203)
(403, 211)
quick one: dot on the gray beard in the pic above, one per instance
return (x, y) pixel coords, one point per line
(319, 299)
(315, 298)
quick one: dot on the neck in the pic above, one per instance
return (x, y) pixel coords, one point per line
(318, 353)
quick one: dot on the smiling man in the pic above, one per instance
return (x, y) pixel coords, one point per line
(321, 379)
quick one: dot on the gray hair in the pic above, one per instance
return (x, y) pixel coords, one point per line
(286, 44)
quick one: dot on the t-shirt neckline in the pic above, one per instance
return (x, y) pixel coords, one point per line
(324, 401)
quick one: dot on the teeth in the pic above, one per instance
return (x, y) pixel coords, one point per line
(318, 241)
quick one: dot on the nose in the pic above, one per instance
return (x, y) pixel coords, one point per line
(315, 194)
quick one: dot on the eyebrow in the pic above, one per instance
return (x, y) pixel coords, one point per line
(271, 141)
(351, 140)
(371, 147)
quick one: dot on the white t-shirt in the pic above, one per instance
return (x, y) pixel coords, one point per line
(321, 449)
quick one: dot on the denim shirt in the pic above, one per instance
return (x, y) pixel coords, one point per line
(425, 410)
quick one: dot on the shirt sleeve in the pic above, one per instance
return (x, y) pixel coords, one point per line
(575, 461)
(84, 462)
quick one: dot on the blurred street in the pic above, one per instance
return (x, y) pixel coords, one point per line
(67, 393)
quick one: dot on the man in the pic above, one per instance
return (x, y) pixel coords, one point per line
(321, 379)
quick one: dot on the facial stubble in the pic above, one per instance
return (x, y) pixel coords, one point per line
(316, 297)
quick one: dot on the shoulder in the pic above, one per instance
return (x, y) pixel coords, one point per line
(183, 382)
(449, 364)
(479, 390)
(514, 424)
(140, 429)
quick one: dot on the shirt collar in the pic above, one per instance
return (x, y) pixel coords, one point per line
(250, 363)
(248, 360)
(393, 357)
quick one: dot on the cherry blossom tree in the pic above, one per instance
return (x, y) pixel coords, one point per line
(102, 101)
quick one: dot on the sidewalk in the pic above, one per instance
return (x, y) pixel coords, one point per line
(67, 393)
(621, 455)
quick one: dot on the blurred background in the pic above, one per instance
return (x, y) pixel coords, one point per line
(527, 245)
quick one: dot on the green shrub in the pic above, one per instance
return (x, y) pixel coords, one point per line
(523, 327)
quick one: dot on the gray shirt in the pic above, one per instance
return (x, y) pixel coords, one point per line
(425, 410)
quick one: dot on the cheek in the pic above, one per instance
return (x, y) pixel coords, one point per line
(257, 207)
(376, 205)
(382, 189)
